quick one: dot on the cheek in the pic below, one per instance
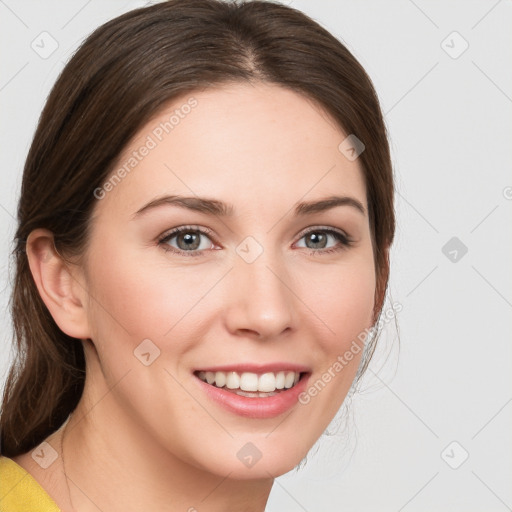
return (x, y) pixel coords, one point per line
(138, 298)
(344, 302)
(343, 299)
(133, 301)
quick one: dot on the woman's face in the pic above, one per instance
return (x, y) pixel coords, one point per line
(260, 288)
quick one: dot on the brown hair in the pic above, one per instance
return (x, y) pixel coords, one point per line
(119, 78)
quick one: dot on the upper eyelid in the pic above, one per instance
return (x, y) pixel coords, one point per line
(309, 229)
(176, 231)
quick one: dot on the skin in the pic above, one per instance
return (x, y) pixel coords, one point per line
(150, 431)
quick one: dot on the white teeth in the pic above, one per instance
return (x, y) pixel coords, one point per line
(265, 384)
(220, 379)
(280, 380)
(288, 381)
(249, 382)
(251, 394)
(232, 380)
(247, 394)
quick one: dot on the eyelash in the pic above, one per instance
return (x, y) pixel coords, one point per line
(344, 240)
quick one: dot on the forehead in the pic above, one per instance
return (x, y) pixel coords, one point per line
(250, 144)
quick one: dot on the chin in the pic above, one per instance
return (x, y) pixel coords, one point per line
(260, 458)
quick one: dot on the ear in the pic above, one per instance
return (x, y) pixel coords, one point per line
(58, 284)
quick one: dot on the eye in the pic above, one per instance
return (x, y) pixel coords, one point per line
(317, 239)
(188, 240)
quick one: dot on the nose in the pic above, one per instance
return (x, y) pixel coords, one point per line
(261, 302)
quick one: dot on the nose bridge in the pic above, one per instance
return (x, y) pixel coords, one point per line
(262, 299)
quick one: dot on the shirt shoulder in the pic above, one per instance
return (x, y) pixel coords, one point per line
(20, 492)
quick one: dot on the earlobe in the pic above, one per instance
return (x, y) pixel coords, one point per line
(58, 287)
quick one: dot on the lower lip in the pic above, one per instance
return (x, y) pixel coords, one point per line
(268, 407)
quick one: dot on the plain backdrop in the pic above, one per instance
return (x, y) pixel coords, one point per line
(431, 429)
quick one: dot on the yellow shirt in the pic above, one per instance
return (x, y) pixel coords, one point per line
(20, 492)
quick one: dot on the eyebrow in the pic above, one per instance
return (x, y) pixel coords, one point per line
(221, 209)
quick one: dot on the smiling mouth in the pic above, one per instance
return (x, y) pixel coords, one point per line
(252, 385)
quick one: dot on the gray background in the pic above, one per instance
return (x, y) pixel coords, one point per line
(444, 392)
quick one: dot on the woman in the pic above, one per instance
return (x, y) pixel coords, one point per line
(204, 226)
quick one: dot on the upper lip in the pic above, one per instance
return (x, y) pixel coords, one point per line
(256, 368)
